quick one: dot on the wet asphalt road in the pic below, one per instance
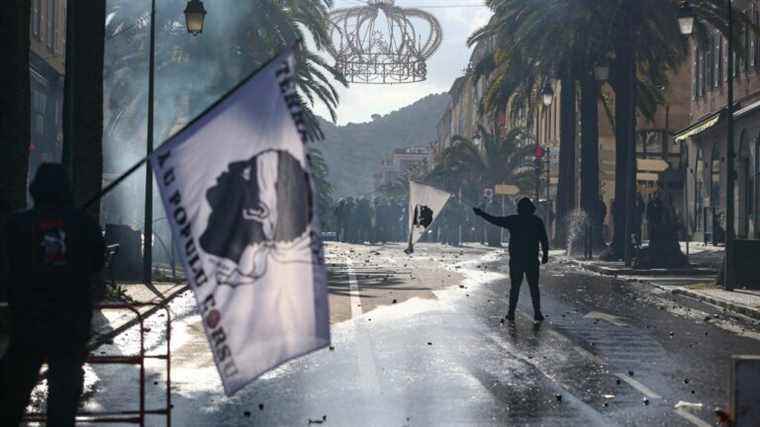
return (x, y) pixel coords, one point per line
(610, 353)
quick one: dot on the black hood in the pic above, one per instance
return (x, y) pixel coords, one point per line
(526, 207)
(50, 185)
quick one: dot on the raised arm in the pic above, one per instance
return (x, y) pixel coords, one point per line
(500, 221)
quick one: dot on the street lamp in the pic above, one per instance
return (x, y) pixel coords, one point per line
(686, 18)
(686, 23)
(195, 13)
(547, 94)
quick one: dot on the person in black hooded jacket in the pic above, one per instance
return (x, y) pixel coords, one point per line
(526, 232)
(52, 250)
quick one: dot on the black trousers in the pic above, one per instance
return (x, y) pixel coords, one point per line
(20, 372)
(529, 270)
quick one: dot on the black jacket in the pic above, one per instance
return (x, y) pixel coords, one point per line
(526, 232)
(52, 253)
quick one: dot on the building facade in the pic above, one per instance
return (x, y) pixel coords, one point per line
(46, 67)
(403, 163)
(704, 145)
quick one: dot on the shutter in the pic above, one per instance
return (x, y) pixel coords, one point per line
(756, 17)
(695, 73)
(751, 41)
(725, 63)
(703, 77)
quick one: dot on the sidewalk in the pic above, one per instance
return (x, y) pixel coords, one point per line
(698, 281)
(107, 324)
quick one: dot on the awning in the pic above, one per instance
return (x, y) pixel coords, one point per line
(698, 127)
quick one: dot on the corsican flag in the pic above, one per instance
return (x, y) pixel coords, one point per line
(425, 203)
(236, 188)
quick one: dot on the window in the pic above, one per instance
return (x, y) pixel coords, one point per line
(715, 172)
(752, 40)
(50, 36)
(36, 18)
(695, 81)
(699, 72)
(699, 179)
(747, 52)
(756, 18)
(703, 81)
(709, 63)
(719, 42)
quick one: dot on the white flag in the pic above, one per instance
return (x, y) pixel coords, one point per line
(236, 188)
(425, 203)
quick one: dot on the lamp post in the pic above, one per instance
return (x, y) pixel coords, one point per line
(195, 14)
(547, 97)
(686, 24)
(194, 17)
(547, 94)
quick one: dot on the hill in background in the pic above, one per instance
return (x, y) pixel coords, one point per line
(353, 152)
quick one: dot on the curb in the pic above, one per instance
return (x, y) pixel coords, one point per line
(736, 308)
(706, 272)
(741, 309)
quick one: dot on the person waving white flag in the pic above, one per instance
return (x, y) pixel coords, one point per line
(425, 203)
(238, 193)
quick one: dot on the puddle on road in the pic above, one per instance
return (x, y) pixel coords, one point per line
(193, 370)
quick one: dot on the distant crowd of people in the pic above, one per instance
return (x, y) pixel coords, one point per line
(381, 220)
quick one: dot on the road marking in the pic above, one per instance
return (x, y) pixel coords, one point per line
(582, 351)
(597, 418)
(692, 418)
(366, 361)
(646, 391)
(606, 317)
(353, 291)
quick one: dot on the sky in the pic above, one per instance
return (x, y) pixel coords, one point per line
(458, 19)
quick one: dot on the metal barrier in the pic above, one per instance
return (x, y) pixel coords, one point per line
(128, 416)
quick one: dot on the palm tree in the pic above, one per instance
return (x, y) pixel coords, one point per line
(322, 185)
(15, 105)
(539, 40)
(495, 161)
(193, 72)
(466, 167)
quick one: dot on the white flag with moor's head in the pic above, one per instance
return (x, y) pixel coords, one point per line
(236, 187)
(425, 203)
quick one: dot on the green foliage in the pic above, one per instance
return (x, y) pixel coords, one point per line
(323, 187)
(235, 41)
(497, 161)
(540, 40)
(353, 152)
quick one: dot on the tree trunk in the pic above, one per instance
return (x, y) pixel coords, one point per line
(15, 119)
(624, 139)
(590, 153)
(566, 189)
(83, 99)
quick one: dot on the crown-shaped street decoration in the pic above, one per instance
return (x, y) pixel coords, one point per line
(381, 43)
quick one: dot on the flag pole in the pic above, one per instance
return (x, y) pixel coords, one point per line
(103, 192)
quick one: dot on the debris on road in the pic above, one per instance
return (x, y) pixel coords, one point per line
(687, 405)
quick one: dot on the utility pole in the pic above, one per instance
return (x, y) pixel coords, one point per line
(729, 276)
(628, 84)
(148, 225)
